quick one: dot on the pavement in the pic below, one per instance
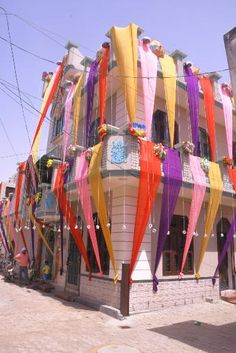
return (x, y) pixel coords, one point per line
(32, 322)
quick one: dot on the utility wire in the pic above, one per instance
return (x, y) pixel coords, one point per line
(8, 137)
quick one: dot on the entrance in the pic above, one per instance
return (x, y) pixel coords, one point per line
(73, 266)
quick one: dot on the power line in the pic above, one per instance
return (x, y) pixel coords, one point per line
(26, 94)
(8, 137)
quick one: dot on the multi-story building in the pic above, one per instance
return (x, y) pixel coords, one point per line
(120, 172)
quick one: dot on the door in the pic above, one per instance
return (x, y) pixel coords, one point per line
(73, 266)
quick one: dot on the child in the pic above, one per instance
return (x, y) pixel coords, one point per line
(46, 271)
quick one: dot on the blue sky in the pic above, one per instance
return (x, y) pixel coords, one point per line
(195, 27)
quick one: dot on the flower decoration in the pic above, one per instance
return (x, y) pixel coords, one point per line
(50, 163)
(38, 197)
(157, 49)
(205, 164)
(188, 147)
(159, 151)
(228, 161)
(102, 130)
(71, 149)
(136, 129)
(89, 153)
(227, 89)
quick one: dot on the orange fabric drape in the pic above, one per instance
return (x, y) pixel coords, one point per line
(209, 103)
(68, 213)
(103, 84)
(17, 202)
(150, 175)
(232, 175)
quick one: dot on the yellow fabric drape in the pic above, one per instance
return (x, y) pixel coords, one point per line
(169, 77)
(7, 226)
(76, 108)
(95, 182)
(125, 45)
(216, 189)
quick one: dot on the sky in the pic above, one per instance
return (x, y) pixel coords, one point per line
(194, 27)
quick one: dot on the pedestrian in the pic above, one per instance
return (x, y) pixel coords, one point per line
(46, 271)
(23, 260)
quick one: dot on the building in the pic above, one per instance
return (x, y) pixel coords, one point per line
(120, 175)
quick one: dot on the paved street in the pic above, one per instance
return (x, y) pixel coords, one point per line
(35, 322)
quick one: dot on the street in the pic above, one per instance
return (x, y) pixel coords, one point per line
(34, 322)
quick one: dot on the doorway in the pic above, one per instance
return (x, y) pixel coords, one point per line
(73, 266)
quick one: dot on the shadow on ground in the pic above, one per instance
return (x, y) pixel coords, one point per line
(209, 338)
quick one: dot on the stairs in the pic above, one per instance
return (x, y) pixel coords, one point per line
(229, 296)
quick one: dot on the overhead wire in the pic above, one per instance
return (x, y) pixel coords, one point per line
(8, 137)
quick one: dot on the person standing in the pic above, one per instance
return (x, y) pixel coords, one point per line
(23, 260)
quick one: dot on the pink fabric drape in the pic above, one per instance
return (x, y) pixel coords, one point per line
(199, 190)
(68, 120)
(149, 72)
(228, 114)
(84, 196)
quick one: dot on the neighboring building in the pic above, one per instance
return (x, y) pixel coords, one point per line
(120, 181)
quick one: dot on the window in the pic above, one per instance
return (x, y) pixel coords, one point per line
(103, 252)
(93, 137)
(174, 247)
(9, 190)
(160, 129)
(204, 144)
(58, 125)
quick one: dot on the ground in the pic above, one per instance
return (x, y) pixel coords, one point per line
(35, 322)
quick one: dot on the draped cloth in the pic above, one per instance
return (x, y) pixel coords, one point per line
(84, 196)
(199, 189)
(103, 69)
(12, 231)
(228, 117)
(125, 45)
(18, 193)
(232, 175)
(209, 103)
(68, 120)
(95, 181)
(169, 78)
(172, 183)
(76, 107)
(193, 103)
(47, 100)
(149, 180)
(216, 189)
(3, 230)
(68, 213)
(149, 73)
(90, 97)
(229, 239)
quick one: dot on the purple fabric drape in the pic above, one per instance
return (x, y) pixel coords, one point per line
(90, 96)
(61, 229)
(172, 183)
(3, 231)
(229, 239)
(193, 102)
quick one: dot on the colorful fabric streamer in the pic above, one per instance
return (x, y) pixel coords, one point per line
(125, 45)
(47, 100)
(228, 117)
(3, 230)
(209, 103)
(76, 107)
(149, 180)
(228, 242)
(200, 184)
(232, 175)
(172, 183)
(68, 120)
(103, 69)
(18, 192)
(216, 189)
(169, 78)
(12, 231)
(90, 97)
(149, 72)
(95, 181)
(193, 103)
(84, 196)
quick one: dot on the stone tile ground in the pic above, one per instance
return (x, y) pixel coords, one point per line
(32, 322)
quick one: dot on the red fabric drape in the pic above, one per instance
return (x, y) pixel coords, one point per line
(103, 84)
(150, 175)
(68, 213)
(17, 202)
(209, 103)
(232, 175)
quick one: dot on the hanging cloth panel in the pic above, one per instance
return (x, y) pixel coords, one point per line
(125, 45)
(90, 97)
(68, 120)
(95, 181)
(232, 175)
(103, 69)
(193, 103)
(11, 225)
(84, 196)
(228, 117)
(76, 108)
(17, 202)
(216, 189)
(149, 180)
(169, 78)
(62, 242)
(199, 179)
(6, 225)
(3, 230)
(47, 100)
(209, 103)
(172, 183)
(149, 73)
(68, 213)
(228, 242)
(3, 242)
